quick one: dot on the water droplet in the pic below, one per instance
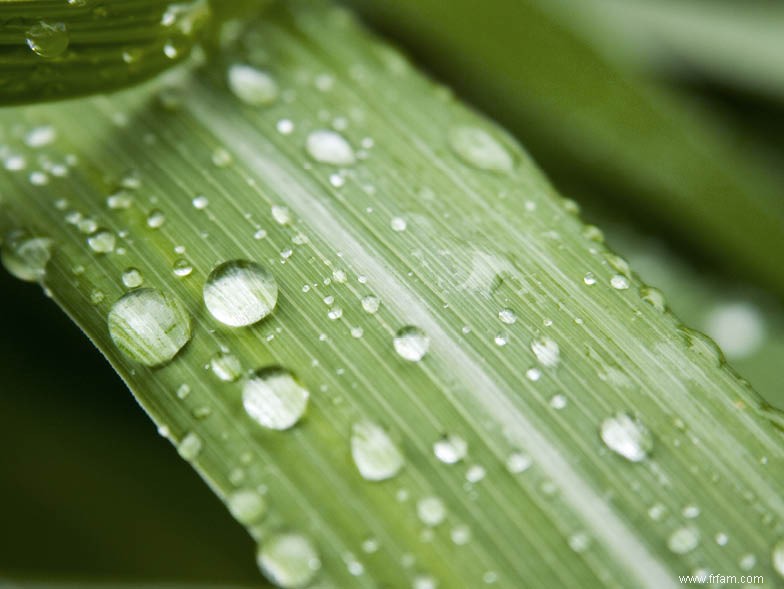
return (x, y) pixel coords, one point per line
(40, 136)
(683, 540)
(431, 511)
(371, 304)
(375, 454)
(619, 282)
(330, 147)
(475, 473)
(190, 447)
(398, 224)
(738, 328)
(533, 374)
(722, 539)
(558, 401)
(252, 86)
(411, 343)
(289, 560)
(589, 279)
(221, 158)
(149, 326)
(120, 200)
(370, 545)
(690, 511)
(579, 541)
(281, 214)
(777, 557)
(335, 313)
(518, 462)
(102, 241)
(274, 399)
(200, 202)
(246, 506)
(450, 449)
(654, 297)
(240, 292)
(182, 268)
(507, 316)
(461, 534)
(546, 351)
(627, 436)
(226, 367)
(478, 148)
(132, 278)
(26, 257)
(285, 127)
(49, 40)
(424, 582)
(155, 219)
(501, 339)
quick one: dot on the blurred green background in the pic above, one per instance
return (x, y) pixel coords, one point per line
(76, 444)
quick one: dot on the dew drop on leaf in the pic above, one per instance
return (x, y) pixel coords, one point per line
(189, 447)
(252, 86)
(627, 436)
(777, 557)
(654, 297)
(431, 511)
(371, 303)
(274, 399)
(518, 462)
(26, 257)
(375, 455)
(155, 219)
(289, 560)
(683, 540)
(48, 40)
(246, 505)
(507, 316)
(132, 278)
(102, 241)
(450, 449)
(149, 326)
(479, 149)
(329, 147)
(411, 343)
(546, 351)
(226, 366)
(240, 292)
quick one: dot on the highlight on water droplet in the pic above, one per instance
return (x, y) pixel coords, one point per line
(226, 366)
(627, 436)
(546, 351)
(25, 257)
(252, 86)
(375, 455)
(289, 560)
(411, 343)
(479, 149)
(246, 505)
(274, 399)
(329, 147)
(450, 449)
(149, 326)
(48, 40)
(240, 292)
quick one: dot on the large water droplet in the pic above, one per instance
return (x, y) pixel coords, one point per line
(149, 326)
(329, 147)
(627, 436)
(26, 257)
(240, 293)
(49, 40)
(246, 505)
(289, 560)
(252, 86)
(411, 343)
(375, 455)
(683, 540)
(274, 399)
(450, 449)
(546, 351)
(479, 149)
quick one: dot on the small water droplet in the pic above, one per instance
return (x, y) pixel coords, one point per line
(226, 366)
(149, 326)
(431, 511)
(475, 473)
(398, 224)
(289, 560)
(40, 136)
(102, 241)
(26, 257)
(155, 219)
(48, 40)
(777, 557)
(461, 534)
(501, 339)
(182, 268)
(285, 126)
(371, 304)
(546, 351)
(240, 292)
(335, 313)
(200, 202)
(375, 455)
(424, 582)
(246, 505)
(627, 436)
(132, 278)
(281, 214)
(533, 374)
(579, 541)
(654, 297)
(683, 540)
(722, 539)
(190, 447)
(518, 462)
(120, 200)
(274, 399)
(558, 402)
(450, 449)
(589, 279)
(221, 158)
(411, 343)
(329, 147)
(252, 86)
(479, 149)
(507, 316)
(619, 282)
